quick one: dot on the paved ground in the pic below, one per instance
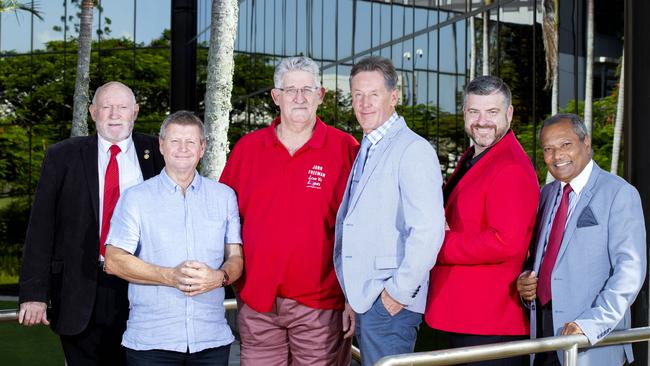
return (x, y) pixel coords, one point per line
(234, 348)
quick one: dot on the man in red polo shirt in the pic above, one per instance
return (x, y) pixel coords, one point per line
(290, 178)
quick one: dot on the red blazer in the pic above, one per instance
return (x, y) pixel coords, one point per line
(491, 216)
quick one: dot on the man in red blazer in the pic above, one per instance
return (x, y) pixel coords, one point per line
(490, 204)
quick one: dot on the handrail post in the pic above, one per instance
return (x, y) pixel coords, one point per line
(571, 355)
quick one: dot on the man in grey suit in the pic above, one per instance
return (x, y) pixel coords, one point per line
(590, 256)
(391, 223)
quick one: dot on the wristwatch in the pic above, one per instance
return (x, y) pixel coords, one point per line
(226, 278)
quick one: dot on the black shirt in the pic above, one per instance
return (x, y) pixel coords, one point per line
(464, 166)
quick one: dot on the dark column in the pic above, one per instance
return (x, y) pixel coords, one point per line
(183, 70)
(637, 130)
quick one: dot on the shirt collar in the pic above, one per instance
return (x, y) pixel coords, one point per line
(105, 145)
(171, 186)
(580, 181)
(378, 133)
(316, 141)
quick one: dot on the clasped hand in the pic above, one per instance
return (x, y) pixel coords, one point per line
(194, 277)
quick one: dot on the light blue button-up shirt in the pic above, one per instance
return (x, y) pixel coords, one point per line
(161, 226)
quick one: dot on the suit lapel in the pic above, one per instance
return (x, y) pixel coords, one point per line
(547, 208)
(377, 157)
(89, 156)
(585, 198)
(145, 153)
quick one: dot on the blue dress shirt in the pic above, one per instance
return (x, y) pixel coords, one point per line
(159, 224)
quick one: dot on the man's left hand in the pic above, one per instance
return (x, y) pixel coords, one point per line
(202, 279)
(392, 306)
(571, 328)
(349, 322)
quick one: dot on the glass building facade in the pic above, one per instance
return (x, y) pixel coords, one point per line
(435, 45)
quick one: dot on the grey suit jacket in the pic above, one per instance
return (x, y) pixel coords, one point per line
(601, 264)
(389, 232)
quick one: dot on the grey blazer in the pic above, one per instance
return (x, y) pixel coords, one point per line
(389, 232)
(601, 264)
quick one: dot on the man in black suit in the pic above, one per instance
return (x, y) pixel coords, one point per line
(81, 177)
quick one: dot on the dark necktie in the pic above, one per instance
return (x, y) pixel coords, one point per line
(553, 247)
(362, 156)
(111, 195)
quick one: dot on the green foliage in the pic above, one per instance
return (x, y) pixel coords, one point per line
(13, 225)
(21, 345)
(602, 134)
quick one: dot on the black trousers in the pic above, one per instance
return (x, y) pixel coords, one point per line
(209, 357)
(545, 329)
(457, 340)
(100, 342)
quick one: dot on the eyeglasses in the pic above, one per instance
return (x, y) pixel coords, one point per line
(307, 91)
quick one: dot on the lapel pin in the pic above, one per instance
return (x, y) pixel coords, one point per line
(146, 154)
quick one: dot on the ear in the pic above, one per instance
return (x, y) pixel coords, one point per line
(394, 97)
(275, 94)
(160, 146)
(92, 109)
(509, 112)
(202, 149)
(136, 109)
(587, 142)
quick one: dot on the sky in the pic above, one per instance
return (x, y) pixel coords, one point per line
(152, 17)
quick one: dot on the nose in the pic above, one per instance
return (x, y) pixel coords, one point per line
(115, 113)
(300, 96)
(557, 155)
(364, 102)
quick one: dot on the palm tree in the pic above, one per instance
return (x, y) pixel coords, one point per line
(221, 67)
(12, 5)
(589, 72)
(550, 38)
(618, 124)
(80, 99)
(486, 44)
(472, 52)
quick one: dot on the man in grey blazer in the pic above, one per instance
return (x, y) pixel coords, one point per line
(590, 255)
(391, 223)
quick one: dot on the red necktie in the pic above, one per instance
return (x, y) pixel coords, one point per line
(111, 195)
(553, 247)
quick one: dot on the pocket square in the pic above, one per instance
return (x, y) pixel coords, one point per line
(587, 218)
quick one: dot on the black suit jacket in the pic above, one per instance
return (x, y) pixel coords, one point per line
(62, 244)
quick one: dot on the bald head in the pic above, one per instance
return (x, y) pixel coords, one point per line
(112, 85)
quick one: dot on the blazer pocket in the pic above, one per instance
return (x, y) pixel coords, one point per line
(387, 262)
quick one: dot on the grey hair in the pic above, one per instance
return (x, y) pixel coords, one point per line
(488, 85)
(182, 118)
(576, 123)
(298, 63)
(377, 63)
(99, 90)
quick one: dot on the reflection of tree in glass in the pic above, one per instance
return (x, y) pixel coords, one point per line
(68, 19)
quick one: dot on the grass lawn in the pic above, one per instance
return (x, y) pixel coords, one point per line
(28, 346)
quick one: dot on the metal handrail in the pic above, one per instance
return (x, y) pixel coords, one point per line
(228, 304)
(569, 344)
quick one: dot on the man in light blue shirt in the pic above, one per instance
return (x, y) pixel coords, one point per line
(176, 239)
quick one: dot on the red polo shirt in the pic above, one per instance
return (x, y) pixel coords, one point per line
(288, 208)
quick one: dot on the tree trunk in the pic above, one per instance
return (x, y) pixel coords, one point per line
(472, 52)
(221, 66)
(486, 44)
(589, 73)
(550, 38)
(618, 125)
(80, 100)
